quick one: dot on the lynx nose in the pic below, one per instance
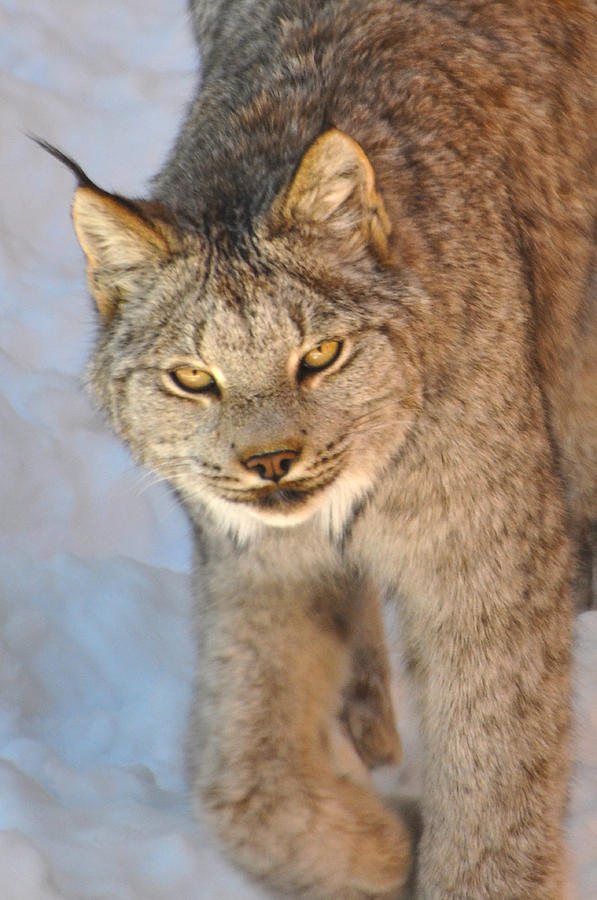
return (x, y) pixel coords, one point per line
(271, 466)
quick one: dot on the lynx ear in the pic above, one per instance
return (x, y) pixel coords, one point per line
(119, 244)
(124, 241)
(333, 193)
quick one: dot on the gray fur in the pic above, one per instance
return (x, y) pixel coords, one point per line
(445, 459)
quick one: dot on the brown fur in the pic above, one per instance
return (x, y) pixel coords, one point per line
(414, 182)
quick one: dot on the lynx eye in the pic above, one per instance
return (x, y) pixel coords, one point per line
(321, 356)
(193, 381)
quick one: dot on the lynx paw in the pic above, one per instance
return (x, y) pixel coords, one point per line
(331, 841)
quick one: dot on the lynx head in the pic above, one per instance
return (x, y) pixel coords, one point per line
(269, 376)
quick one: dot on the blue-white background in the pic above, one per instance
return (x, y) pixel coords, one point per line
(95, 650)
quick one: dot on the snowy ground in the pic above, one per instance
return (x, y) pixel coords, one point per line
(95, 655)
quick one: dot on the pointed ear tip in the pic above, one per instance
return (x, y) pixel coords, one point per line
(80, 204)
(89, 199)
(346, 139)
(335, 148)
(333, 134)
(334, 138)
(81, 194)
(88, 190)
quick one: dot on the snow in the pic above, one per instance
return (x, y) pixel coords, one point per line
(95, 652)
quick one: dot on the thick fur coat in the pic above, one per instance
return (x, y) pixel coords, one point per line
(355, 326)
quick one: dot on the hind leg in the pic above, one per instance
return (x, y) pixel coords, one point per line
(367, 714)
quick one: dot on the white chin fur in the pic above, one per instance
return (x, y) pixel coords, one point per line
(331, 509)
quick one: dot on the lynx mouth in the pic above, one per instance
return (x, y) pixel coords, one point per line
(282, 498)
(280, 501)
(283, 501)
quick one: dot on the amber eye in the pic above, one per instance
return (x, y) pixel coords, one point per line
(193, 381)
(322, 356)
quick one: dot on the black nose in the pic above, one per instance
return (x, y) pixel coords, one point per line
(271, 466)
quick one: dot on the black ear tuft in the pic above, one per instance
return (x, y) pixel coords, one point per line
(120, 237)
(80, 175)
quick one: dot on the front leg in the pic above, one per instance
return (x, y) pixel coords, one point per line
(476, 547)
(274, 632)
(488, 639)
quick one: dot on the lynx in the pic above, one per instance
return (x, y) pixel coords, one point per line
(354, 325)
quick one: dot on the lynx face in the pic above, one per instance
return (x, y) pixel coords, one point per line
(252, 393)
(269, 375)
